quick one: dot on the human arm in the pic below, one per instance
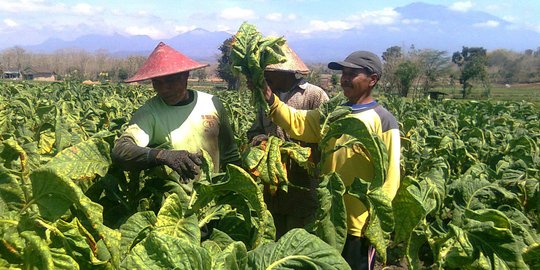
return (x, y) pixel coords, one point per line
(391, 139)
(299, 124)
(303, 125)
(131, 151)
(129, 156)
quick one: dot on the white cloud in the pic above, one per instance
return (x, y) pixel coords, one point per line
(225, 28)
(278, 17)
(419, 22)
(461, 6)
(385, 16)
(510, 19)
(317, 25)
(10, 23)
(86, 9)
(237, 13)
(22, 6)
(183, 28)
(275, 17)
(146, 30)
(487, 24)
(536, 28)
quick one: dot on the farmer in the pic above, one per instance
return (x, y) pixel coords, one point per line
(361, 71)
(186, 121)
(295, 208)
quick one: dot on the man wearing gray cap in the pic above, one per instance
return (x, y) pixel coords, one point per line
(296, 207)
(361, 71)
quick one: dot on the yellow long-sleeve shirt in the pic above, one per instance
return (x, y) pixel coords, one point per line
(348, 162)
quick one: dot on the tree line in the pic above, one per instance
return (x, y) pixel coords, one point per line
(407, 71)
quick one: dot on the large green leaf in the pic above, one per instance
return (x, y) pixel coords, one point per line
(331, 220)
(251, 53)
(221, 238)
(373, 144)
(171, 221)
(297, 249)
(415, 242)
(54, 194)
(14, 156)
(240, 182)
(380, 221)
(38, 254)
(84, 160)
(135, 229)
(532, 256)
(77, 242)
(62, 134)
(233, 257)
(163, 251)
(488, 233)
(11, 192)
(408, 208)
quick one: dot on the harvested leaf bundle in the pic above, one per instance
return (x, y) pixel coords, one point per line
(251, 53)
(267, 161)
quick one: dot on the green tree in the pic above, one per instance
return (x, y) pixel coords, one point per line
(433, 65)
(472, 63)
(200, 74)
(405, 72)
(392, 57)
(224, 69)
(122, 74)
(334, 79)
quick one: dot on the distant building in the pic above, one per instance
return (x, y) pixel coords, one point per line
(11, 74)
(38, 74)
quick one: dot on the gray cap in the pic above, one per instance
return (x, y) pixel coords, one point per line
(360, 59)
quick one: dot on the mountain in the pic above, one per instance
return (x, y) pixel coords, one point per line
(425, 26)
(199, 44)
(428, 27)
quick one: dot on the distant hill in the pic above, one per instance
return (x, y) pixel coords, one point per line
(430, 26)
(199, 44)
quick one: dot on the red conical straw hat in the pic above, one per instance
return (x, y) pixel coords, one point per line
(164, 60)
(293, 63)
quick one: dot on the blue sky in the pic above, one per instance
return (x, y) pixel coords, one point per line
(27, 22)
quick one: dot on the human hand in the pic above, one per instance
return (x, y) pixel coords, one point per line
(266, 90)
(186, 164)
(257, 140)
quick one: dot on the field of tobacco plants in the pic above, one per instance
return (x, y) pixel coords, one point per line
(469, 195)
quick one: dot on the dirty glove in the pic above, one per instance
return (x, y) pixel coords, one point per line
(258, 139)
(186, 164)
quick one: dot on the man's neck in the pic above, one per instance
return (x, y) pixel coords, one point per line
(362, 100)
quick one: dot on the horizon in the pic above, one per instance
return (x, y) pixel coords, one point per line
(31, 22)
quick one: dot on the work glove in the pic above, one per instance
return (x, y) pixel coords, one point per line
(186, 164)
(258, 139)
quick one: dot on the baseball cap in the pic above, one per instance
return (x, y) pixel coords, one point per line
(360, 59)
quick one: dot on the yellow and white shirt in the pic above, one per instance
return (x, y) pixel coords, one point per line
(347, 162)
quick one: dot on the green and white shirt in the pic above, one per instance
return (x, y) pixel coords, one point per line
(201, 122)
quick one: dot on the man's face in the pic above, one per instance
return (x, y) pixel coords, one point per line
(279, 81)
(357, 83)
(171, 88)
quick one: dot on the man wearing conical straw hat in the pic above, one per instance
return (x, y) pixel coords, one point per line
(296, 207)
(183, 120)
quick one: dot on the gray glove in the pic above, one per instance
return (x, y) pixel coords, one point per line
(186, 164)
